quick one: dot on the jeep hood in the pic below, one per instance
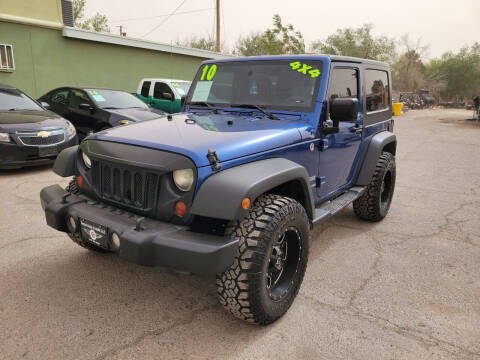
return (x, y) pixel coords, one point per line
(192, 135)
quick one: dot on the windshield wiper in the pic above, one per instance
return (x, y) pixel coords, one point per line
(213, 108)
(250, 106)
(111, 108)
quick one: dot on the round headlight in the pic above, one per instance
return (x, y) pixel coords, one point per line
(183, 179)
(86, 160)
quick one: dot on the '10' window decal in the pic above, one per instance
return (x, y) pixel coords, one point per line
(208, 72)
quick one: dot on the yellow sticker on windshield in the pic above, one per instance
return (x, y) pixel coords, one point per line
(208, 72)
(93, 92)
(305, 69)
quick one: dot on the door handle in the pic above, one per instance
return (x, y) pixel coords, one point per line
(357, 129)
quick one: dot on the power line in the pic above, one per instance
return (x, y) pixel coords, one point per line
(158, 16)
(165, 20)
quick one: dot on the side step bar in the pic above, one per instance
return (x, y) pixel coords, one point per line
(332, 207)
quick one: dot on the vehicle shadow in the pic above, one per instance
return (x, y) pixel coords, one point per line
(88, 305)
(28, 170)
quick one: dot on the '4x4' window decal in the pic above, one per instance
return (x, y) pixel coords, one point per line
(305, 69)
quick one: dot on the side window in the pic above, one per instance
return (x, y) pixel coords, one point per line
(377, 90)
(145, 88)
(58, 96)
(6, 58)
(78, 97)
(161, 88)
(344, 84)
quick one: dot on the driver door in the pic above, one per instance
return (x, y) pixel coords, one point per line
(341, 148)
(84, 120)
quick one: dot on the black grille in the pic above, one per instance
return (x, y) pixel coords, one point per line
(127, 185)
(38, 141)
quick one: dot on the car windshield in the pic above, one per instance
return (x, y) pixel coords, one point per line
(181, 87)
(114, 99)
(272, 84)
(13, 99)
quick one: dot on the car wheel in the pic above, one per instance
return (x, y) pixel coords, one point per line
(268, 270)
(375, 202)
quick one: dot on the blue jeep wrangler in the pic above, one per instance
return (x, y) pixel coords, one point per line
(265, 148)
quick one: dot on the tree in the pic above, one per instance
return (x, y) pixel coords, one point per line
(98, 22)
(357, 42)
(408, 68)
(279, 39)
(460, 72)
(204, 43)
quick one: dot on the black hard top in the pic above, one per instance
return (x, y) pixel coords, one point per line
(352, 59)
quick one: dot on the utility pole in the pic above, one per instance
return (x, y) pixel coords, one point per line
(217, 45)
(121, 31)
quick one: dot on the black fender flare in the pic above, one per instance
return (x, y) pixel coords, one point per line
(378, 143)
(66, 162)
(220, 196)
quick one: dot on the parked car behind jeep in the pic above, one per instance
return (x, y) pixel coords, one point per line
(29, 133)
(163, 94)
(266, 148)
(95, 109)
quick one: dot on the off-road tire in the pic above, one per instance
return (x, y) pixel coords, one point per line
(375, 202)
(72, 187)
(242, 288)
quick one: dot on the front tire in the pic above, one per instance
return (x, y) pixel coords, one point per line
(267, 273)
(375, 202)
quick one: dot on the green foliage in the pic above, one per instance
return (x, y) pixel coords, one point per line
(98, 22)
(459, 72)
(408, 72)
(357, 42)
(280, 39)
(202, 43)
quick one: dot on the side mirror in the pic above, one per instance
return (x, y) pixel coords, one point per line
(85, 107)
(167, 96)
(45, 105)
(343, 110)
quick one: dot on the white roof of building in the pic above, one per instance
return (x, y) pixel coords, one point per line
(139, 43)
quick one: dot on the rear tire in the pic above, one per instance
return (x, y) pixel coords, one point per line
(267, 273)
(375, 202)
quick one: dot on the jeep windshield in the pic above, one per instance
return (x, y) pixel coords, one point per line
(290, 85)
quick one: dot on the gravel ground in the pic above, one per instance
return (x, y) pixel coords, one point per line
(405, 288)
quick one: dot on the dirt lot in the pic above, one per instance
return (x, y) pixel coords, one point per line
(405, 288)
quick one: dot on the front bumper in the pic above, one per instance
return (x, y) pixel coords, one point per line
(157, 244)
(14, 155)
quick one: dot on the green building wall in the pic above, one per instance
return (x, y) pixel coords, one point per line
(45, 59)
